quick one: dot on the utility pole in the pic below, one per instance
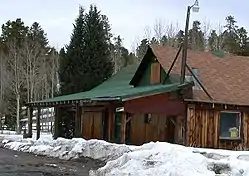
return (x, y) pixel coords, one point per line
(195, 8)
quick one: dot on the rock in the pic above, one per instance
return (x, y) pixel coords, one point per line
(214, 156)
(220, 168)
(243, 157)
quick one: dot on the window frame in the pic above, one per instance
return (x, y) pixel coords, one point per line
(147, 118)
(239, 128)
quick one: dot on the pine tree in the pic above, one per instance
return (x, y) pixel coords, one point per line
(164, 40)
(154, 41)
(141, 49)
(242, 40)
(120, 54)
(87, 61)
(246, 50)
(71, 61)
(196, 37)
(231, 39)
(128, 58)
(97, 39)
(179, 38)
(37, 34)
(14, 30)
(213, 41)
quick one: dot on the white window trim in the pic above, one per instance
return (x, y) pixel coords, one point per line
(240, 117)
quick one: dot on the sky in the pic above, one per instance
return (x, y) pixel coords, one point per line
(128, 18)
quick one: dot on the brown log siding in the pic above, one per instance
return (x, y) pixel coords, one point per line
(203, 124)
(155, 73)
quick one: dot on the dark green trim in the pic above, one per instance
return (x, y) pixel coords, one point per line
(148, 58)
(145, 79)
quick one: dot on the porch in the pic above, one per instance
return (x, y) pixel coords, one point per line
(158, 117)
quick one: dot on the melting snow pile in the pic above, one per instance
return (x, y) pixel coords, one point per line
(157, 158)
(67, 148)
(4, 132)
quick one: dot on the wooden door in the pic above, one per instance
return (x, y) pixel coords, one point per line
(92, 125)
(97, 132)
(170, 129)
(87, 124)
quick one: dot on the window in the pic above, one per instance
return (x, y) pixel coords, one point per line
(230, 124)
(147, 118)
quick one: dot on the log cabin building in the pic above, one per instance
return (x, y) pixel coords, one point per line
(147, 102)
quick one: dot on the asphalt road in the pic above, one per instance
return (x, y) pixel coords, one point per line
(13, 163)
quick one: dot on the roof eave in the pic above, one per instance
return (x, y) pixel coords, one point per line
(106, 99)
(216, 102)
(180, 86)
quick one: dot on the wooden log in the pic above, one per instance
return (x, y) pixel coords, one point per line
(38, 125)
(216, 132)
(155, 73)
(110, 123)
(123, 128)
(56, 123)
(77, 121)
(30, 122)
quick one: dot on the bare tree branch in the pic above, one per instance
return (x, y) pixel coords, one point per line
(147, 33)
(159, 29)
(15, 70)
(206, 25)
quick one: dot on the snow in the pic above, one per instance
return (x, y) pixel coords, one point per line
(157, 159)
(4, 132)
(154, 158)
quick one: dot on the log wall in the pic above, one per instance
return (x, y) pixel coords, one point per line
(203, 124)
(161, 128)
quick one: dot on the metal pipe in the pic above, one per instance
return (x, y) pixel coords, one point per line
(203, 88)
(172, 65)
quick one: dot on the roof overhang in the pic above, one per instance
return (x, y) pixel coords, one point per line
(106, 99)
(141, 96)
(72, 102)
(179, 87)
(215, 102)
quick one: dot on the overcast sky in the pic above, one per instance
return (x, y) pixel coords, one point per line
(128, 18)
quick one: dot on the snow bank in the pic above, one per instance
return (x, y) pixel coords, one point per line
(13, 137)
(4, 132)
(66, 148)
(155, 158)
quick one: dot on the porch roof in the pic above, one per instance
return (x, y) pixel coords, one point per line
(116, 88)
(121, 94)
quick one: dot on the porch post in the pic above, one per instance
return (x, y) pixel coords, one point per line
(38, 125)
(30, 122)
(123, 128)
(110, 123)
(56, 123)
(77, 121)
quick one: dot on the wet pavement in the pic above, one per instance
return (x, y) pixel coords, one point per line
(14, 163)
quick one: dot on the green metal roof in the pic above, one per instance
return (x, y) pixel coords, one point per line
(219, 53)
(116, 87)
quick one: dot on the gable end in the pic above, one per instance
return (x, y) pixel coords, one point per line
(149, 72)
